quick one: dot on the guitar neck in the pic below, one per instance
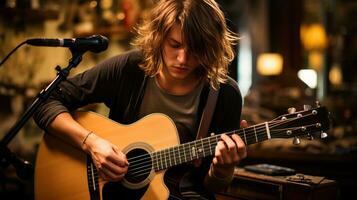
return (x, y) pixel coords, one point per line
(201, 148)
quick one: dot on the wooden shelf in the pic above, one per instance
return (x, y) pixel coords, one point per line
(28, 15)
(121, 31)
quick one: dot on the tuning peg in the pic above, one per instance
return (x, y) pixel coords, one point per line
(323, 135)
(310, 137)
(318, 104)
(291, 110)
(307, 107)
(296, 141)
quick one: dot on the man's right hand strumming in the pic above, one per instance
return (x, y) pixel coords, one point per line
(111, 163)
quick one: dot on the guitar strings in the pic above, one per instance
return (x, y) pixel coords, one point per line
(137, 173)
(135, 159)
(218, 135)
(228, 133)
(148, 170)
(134, 170)
(171, 150)
(208, 153)
(140, 172)
(144, 165)
(168, 160)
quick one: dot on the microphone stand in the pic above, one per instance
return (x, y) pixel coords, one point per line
(24, 169)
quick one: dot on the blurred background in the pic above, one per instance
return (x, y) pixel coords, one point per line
(291, 53)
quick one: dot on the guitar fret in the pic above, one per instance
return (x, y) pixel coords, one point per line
(255, 132)
(214, 145)
(172, 158)
(245, 137)
(189, 151)
(268, 130)
(153, 160)
(166, 162)
(162, 162)
(184, 152)
(167, 157)
(195, 150)
(173, 149)
(179, 154)
(209, 144)
(203, 149)
(156, 161)
(169, 154)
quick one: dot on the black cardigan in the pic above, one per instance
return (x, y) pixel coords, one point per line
(120, 83)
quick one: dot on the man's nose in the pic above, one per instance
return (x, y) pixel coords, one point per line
(182, 56)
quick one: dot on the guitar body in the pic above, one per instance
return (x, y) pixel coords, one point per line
(65, 172)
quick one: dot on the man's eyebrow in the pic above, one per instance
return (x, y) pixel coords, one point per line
(173, 40)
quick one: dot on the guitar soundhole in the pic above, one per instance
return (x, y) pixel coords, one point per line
(140, 165)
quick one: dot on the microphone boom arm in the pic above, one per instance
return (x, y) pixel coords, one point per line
(6, 156)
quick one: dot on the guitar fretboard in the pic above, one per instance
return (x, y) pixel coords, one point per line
(205, 147)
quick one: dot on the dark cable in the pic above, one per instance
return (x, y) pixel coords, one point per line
(8, 55)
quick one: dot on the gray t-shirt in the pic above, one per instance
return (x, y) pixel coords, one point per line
(181, 108)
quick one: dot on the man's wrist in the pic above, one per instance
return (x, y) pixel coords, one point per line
(225, 173)
(86, 141)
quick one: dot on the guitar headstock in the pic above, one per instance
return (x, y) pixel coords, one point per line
(301, 123)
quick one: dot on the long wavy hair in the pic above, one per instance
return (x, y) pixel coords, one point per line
(204, 33)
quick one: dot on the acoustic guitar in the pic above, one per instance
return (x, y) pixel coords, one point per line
(151, 146)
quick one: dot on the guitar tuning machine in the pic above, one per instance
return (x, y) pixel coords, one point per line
(323, 135)
(318, 104)
(310, 137)
(307, 107)
(296, 141)
(291, 110)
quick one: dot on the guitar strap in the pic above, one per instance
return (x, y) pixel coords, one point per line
(185, 185)
(207, 113)
(179, 180)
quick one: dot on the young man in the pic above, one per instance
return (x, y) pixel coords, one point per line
(184, 49)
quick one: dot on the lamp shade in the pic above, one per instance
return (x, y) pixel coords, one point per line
(309, 77)
(270, 64)
(313, 36)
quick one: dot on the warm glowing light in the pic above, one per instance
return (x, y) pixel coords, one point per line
(309, 77)
(316, 60)
(270, 64)
(93, 4)
(335, 75)
(313, 37)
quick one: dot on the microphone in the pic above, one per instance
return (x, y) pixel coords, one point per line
(94, 43)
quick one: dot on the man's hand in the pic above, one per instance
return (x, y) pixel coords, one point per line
(228, 153)
(110, 162)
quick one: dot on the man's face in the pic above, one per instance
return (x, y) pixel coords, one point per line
(179, 64)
